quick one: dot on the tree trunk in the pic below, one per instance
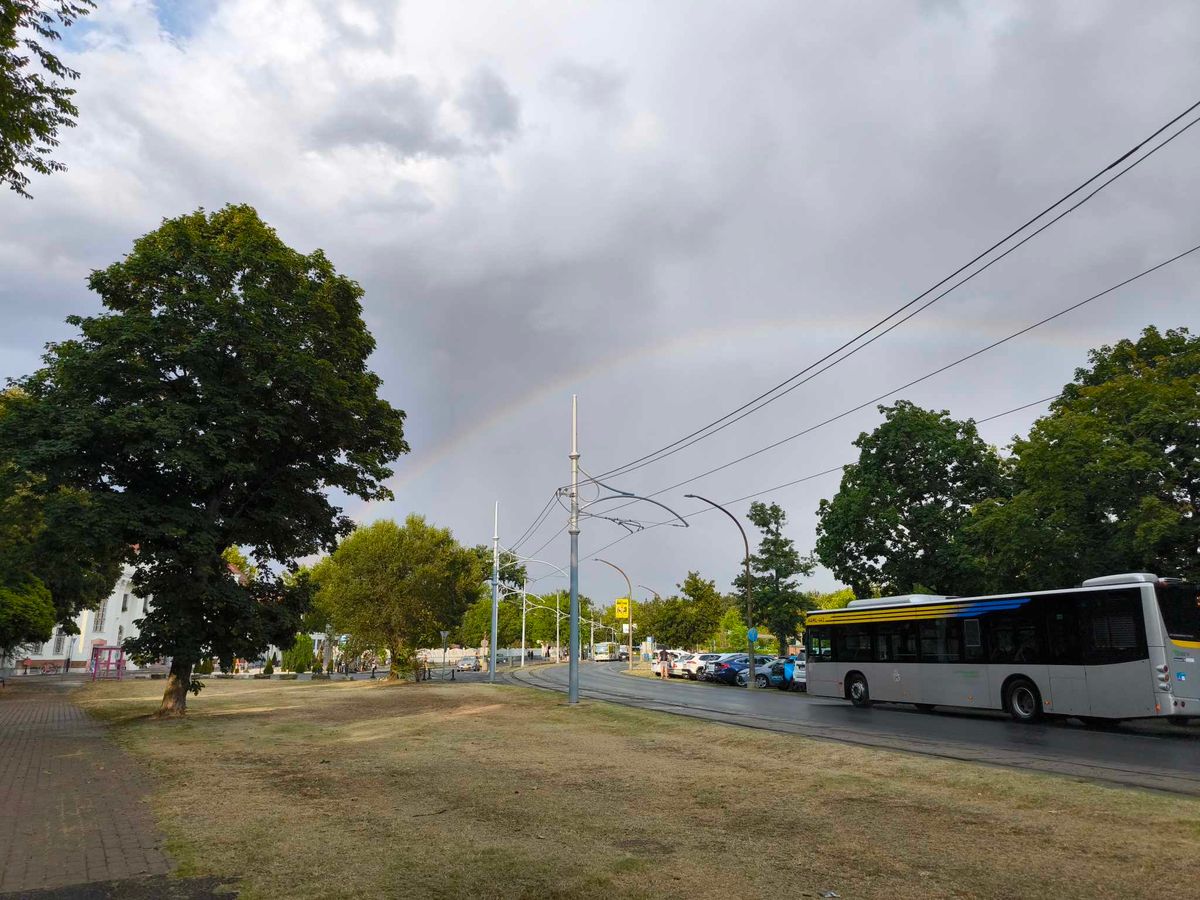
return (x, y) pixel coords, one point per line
(174, 701)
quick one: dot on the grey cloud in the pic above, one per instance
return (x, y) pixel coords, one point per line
(401, 114)
(590, 86)
(492, 108)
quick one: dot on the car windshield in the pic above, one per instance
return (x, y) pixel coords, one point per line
(1180, 605)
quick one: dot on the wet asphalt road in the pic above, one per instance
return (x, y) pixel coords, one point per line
(1151, 754)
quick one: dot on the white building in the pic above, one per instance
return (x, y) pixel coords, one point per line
(110, 623)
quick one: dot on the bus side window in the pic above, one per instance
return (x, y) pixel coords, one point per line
(896, 642)
(820, 648)
(1013, 638)
(972, 641)
(1114, 630)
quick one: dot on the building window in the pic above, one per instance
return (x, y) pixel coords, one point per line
(98, 620)
(59, 638)
(124, 603)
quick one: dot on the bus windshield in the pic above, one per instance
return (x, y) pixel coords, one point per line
(1180, 606)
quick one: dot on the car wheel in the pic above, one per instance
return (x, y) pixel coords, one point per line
(761, 681)
(1024, 701)
(858, 691)
(741, 679)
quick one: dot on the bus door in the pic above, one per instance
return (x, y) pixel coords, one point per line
(1115, 655)
(1064, 655)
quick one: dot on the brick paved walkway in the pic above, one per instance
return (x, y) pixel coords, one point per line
(73, 805)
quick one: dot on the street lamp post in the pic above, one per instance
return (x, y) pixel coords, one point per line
(749, 604)
(629, 588)
(523, 607)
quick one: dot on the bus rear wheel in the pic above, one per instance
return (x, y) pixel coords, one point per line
(857, 691)
(1023, 700)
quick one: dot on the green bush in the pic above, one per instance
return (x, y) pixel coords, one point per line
(205, 666)
(299, 657)
(269, 668)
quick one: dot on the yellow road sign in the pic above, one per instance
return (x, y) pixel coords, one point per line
(622, 607)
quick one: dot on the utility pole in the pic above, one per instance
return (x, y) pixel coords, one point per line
(749, 603)
(495, 594)
(523, 654)
(573, 657)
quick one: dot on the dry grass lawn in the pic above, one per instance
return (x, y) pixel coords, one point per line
(370, 790)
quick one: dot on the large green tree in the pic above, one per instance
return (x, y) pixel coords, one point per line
(398, 586)
(688, 619)
(35, 101)
(896, 521)
(1109, 480)
(218, 400)
(26, 616)
(778, 601)
(55, 538)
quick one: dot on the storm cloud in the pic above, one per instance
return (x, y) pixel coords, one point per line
(664, 208)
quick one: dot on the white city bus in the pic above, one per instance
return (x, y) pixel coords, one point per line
(1117, 647)
(607, 651)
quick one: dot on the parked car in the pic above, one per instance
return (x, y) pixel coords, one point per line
(694, 668)
(623, 655)
(737, 669)
(469, 664)
(674, 664)
(710, 667)
(777, 674)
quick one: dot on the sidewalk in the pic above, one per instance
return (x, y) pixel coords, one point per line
(73, 806)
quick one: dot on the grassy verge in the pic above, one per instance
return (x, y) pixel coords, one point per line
(361, 789)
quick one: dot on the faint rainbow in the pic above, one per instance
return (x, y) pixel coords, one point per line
(675, 345)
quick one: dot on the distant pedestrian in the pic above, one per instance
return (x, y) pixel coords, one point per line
(664, 663)
(373, 670)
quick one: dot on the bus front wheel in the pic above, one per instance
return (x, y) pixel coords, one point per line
(1024, 701)
(857, 691)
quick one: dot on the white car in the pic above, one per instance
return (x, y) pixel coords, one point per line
(694, 668)
(674, 664)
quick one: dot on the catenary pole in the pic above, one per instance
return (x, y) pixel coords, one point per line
(629, 595)
(523, 654)
(573, 656)
(495, 594)
(749, 606)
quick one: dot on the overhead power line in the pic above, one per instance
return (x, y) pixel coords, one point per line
(813, 476)
(925, 377)
(778, 390)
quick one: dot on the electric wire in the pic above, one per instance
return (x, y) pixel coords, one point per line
(813, 476)
(925, 377)
(537, 523)
(710, 428)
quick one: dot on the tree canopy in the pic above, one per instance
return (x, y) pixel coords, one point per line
(34, 99)
(399, 586)
(218, 401)
(896, 520)
(778, 601)
(1109, 480)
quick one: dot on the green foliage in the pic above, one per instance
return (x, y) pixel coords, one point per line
(55, 537)
(205, 666)
(897, 518)
(477, 623)
(27, 615)
(687, 620)
(220, 401)
(240, 564)
(732, 633)
(269, 668)
(778, 601)
(512, 571)
(1109, 480)
(832, 599)
(399, 586)
(298, 657)
(32, 107)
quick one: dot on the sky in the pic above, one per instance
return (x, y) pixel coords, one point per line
(664, 209)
